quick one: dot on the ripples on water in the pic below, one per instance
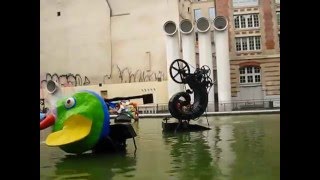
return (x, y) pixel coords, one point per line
(238, 147)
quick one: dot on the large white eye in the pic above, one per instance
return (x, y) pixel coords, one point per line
(70, 102)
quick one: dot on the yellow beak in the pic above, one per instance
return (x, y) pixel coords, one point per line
(75, 129)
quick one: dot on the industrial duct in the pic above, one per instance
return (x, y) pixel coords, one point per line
(188, 47)
(173, 53)
(186, 26)
(52, 87)
(205, 52)
(220, 23)
(186, 29)
(221, 39)
(170, 28)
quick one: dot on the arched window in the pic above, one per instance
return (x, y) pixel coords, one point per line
(250, 75)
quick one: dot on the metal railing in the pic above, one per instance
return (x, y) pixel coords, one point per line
(242, 105)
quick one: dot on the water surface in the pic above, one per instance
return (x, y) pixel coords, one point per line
(237, 148)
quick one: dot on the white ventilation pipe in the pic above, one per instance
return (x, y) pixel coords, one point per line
(186, 29)
(53, 87)
(172, 48)
(54, 91)
(188, 48)
(221, 39)
(205, 53)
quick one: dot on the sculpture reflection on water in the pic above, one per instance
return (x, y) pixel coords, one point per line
(207, 154)
(191, 156)
(101, 166)
(180, 105)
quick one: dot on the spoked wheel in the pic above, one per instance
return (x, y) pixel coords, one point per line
(204, 76)
(206, 70)
(178, 71)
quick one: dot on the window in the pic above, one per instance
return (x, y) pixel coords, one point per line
(257, 42)
(255, 20)
(249, 75)
(197, 14)
(236, 22)
(238, 44)
(278, 17)
(250, 43)
(246, 21)
(212, 13)
(250, 23)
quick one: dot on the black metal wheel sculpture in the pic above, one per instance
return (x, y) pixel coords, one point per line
(206, 74)
(180, 106)
(179, 69)
(203, 76)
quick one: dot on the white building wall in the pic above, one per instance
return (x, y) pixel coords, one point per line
(77, 41)
(138, 40)
(128, 46)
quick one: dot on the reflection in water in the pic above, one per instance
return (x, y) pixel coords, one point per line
(220, 140)
(236, 148)
(255, 158)
(95, 167)
(245, 149)
(190, 156)
(135, 126)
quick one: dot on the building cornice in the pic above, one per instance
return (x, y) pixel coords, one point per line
(256, 57)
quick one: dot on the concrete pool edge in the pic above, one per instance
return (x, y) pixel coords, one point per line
(227, 113)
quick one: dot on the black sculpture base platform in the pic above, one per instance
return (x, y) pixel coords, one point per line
(182, 126)
(116, 141)
(123, 117)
